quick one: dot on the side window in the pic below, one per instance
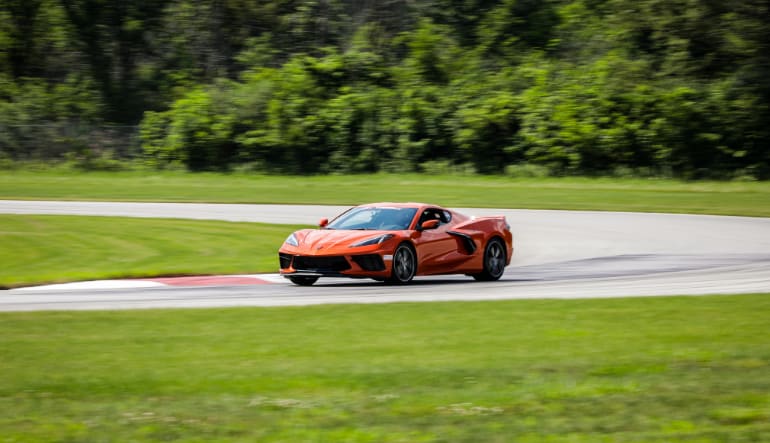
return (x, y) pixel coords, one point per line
(435, 214)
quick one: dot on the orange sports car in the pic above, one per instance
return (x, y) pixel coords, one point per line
(395, 242)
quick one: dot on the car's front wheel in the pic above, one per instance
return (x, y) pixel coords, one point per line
(494, 261)
(303, 280)
(404, 265)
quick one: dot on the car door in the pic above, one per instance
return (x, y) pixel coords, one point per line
(436, 249)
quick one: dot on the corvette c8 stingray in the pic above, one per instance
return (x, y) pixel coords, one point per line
(395, 242)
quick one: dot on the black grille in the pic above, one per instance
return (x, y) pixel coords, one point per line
(371, 262)
(285, 260)
(321, 264)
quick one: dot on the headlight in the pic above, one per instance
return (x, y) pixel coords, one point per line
(373, 241)
(292, 240)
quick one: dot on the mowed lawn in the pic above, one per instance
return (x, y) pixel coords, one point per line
(652, 195)
(676, 369)
(44, 248)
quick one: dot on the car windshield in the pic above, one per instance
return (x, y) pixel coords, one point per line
(379, 218)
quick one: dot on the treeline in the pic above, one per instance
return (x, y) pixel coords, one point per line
(653, 87)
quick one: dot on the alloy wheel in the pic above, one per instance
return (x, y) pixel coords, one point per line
(404, 265)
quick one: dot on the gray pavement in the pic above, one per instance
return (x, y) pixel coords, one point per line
(558, 254)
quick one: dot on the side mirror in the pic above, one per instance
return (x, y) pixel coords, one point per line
(430, 224)
(323, 222)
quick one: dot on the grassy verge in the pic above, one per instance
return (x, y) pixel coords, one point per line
(729, 198)
(677, 369)
(38, 249)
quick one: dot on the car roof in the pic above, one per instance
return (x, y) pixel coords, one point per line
(398, 205)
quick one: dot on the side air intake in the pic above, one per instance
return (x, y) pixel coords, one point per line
(466, 239)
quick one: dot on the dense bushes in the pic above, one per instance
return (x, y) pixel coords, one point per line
(600, 117)
(644, 87)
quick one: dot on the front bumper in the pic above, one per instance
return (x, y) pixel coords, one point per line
(372, 265)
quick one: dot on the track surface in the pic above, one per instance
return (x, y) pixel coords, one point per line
(559, 254)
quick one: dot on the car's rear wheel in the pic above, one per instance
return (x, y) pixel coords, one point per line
(404, 265)
(303, 280)
(494, 261)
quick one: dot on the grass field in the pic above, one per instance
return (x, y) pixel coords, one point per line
(38, 248)
(678, 369)
(728, 198)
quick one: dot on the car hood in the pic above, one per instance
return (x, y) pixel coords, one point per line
(324, 239)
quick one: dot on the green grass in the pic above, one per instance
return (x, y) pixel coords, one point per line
(38, 248)
(679, 369)
(728, 198)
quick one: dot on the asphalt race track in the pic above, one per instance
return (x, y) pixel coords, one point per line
(558, 254)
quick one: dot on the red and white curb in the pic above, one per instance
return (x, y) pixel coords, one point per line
(158, 282)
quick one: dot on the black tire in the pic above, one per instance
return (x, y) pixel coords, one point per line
(494, 261)
(303, 280)
(404, 265)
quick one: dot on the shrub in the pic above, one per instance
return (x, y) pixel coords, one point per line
(527, 170)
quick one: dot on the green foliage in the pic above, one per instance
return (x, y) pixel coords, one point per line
(486, 130)
(526, 170)
(41, 120)
(300, 86)
(196, 131)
